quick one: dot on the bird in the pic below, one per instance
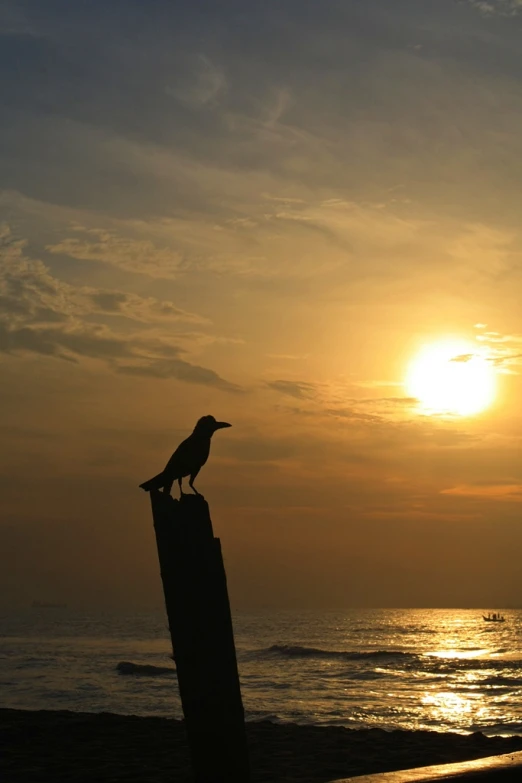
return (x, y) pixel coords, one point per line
(188, 459)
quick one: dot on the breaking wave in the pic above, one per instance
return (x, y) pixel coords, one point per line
(297, 651)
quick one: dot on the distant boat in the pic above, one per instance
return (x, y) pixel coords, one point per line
(496, 617)
(47, 605)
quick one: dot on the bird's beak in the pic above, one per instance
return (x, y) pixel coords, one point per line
(219, 425)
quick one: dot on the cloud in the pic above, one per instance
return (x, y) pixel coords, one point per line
(351, 414)
(287, 356)
(130, 254)
(298, 389)
(373, 410)
(74, 339)
(203, 85)
(391, 401)
(138, 308)
(500, 7)
(463, 358)
(271, 125)
(43, 315)
(27, 339)
(181, 371)
(501, 492)
(334, 399)
(504, 351)
(28, 290)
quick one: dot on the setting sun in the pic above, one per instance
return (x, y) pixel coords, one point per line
(451, 377)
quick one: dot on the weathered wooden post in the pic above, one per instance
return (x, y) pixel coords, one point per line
(200, 623)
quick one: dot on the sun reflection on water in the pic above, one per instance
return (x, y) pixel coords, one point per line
(462, 654)
(454, 708)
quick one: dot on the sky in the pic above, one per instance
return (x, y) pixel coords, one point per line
(261, 211)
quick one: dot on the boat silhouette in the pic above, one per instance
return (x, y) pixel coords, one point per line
(496, 617)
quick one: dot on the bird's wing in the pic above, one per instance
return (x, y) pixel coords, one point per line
(181, 461)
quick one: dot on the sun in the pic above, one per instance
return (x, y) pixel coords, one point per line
(451, 377)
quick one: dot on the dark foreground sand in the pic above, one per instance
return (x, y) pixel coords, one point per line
(105, 748)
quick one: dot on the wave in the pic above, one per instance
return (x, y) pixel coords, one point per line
(502, 681)
(143, 669)
(449, 665)
(298, 651)
(394, 662)
(507, 728)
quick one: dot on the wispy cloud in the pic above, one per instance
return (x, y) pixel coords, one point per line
(180, 370)
(132, 255)
(203, 84)
(256, 240)
(504, 351)
(138, 308)
(501, 7)
(43, 315)
(298, 389)
(334, 400)
(28, 291)
(463, 358)
(501, 492)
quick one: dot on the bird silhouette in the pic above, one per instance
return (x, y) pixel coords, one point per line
(188, 459)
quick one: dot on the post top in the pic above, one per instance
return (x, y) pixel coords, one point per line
(191, 512)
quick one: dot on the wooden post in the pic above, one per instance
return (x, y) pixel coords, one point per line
(200, 623)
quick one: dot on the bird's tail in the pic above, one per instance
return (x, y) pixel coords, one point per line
(154, 483)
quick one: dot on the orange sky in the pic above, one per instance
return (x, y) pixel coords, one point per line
(261, 214)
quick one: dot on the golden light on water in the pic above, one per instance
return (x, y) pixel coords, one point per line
(462, 654)
(451, 377)
(460, 708)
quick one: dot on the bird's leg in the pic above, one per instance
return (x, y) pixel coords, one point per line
(191, 481)
(180, 487)
(167, 487)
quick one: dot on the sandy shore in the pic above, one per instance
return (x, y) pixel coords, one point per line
(84, 747)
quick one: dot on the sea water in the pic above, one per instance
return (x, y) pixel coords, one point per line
(444, 670)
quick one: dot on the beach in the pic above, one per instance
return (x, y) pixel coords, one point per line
(47, 745)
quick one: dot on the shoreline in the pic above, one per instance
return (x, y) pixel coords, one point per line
(44, 745)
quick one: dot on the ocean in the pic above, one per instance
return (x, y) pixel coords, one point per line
(443, 670)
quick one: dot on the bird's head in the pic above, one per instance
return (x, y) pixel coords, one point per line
(207, 426)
